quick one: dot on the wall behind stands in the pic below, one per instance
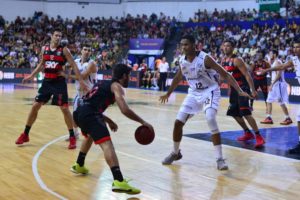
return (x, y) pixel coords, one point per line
(9, 9)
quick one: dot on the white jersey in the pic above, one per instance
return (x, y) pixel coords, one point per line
(296, 63)
(201, 81)
(273, 75)
(89, 81)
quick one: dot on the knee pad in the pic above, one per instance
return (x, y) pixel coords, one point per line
(210, 115)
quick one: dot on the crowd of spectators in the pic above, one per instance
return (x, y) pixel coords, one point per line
(258, 38)
(292, 11)
(22, 39)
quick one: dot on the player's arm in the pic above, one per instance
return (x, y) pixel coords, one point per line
(38, 68)
(74, 66)
(123, 106)
(280, 67)
(211, 63)
(176, 80)
(240, 64)
(92, 68)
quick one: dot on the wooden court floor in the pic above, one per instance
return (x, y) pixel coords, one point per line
(40, 169)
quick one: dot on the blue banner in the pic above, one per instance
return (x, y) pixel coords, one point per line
(245, 24)
(146, 46)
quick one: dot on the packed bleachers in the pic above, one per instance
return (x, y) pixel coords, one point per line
(21, 40)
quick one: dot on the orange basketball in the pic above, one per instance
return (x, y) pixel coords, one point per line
(144, 135)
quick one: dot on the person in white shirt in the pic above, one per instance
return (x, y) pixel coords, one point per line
(163, 68)
(278, 92)
(293, 63)
(88, 70)
(202, 74)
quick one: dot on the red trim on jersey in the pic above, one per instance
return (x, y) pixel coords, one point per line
(104, 139)
(49, 75)
(244, 108)
(54, 58)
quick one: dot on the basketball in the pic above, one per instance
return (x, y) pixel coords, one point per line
(144, 135)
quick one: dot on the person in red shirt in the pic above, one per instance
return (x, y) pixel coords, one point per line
(52, 59)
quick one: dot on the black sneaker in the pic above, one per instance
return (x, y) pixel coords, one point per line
(295, 150)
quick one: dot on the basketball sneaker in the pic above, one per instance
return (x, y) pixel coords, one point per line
(287, 121)
(22, 139)
(295, 150)
(124, 187)
(221, 164)
(259, 141)
(268, 120)
(79, 170)
(72, 144)
(247, 136)
(171, 158)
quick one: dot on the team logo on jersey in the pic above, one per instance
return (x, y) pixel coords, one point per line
(50, 64)
(192, 69)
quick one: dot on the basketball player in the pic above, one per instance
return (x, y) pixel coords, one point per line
(52, 59)
(88, 70)
(202, 73)
(293, 63)
(89, 117)
(260, 81)
(278, 92)
(239, 106)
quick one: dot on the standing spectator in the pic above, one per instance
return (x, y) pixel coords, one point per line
(163, 68)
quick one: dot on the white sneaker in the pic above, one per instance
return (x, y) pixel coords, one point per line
(221, 164)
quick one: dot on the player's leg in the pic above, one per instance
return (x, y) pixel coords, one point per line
(210, 108)
(188, 108)
(284, 99)
(42, 97)
(272, 97)
(234, 111)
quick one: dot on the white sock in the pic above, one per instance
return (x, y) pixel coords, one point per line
(268, 115)
(287, 116)
(75, 131)
(176, 147)
(218, 151)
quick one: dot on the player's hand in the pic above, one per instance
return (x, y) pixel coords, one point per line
(149, 126)
(254, 94)
(113, 126)
(270, 88)
(261, 72)
(245, 94)
(62, 73)
(164, 98)
(27, 78)
(83, 86)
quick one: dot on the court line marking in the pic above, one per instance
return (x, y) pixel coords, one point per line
(35, 168)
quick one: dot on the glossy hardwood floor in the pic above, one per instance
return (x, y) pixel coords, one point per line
(40, 169)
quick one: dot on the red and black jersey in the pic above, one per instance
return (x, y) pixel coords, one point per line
(258, 66)
(228, 64)
(100, 96)
(54, 61)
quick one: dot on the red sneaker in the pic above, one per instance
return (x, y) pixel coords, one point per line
(72, 144)
(287, 121)
(247, 136)
(22, 139)
(260, 141)
(268, 120)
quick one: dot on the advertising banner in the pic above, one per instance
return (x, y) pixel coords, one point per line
(146, 46)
